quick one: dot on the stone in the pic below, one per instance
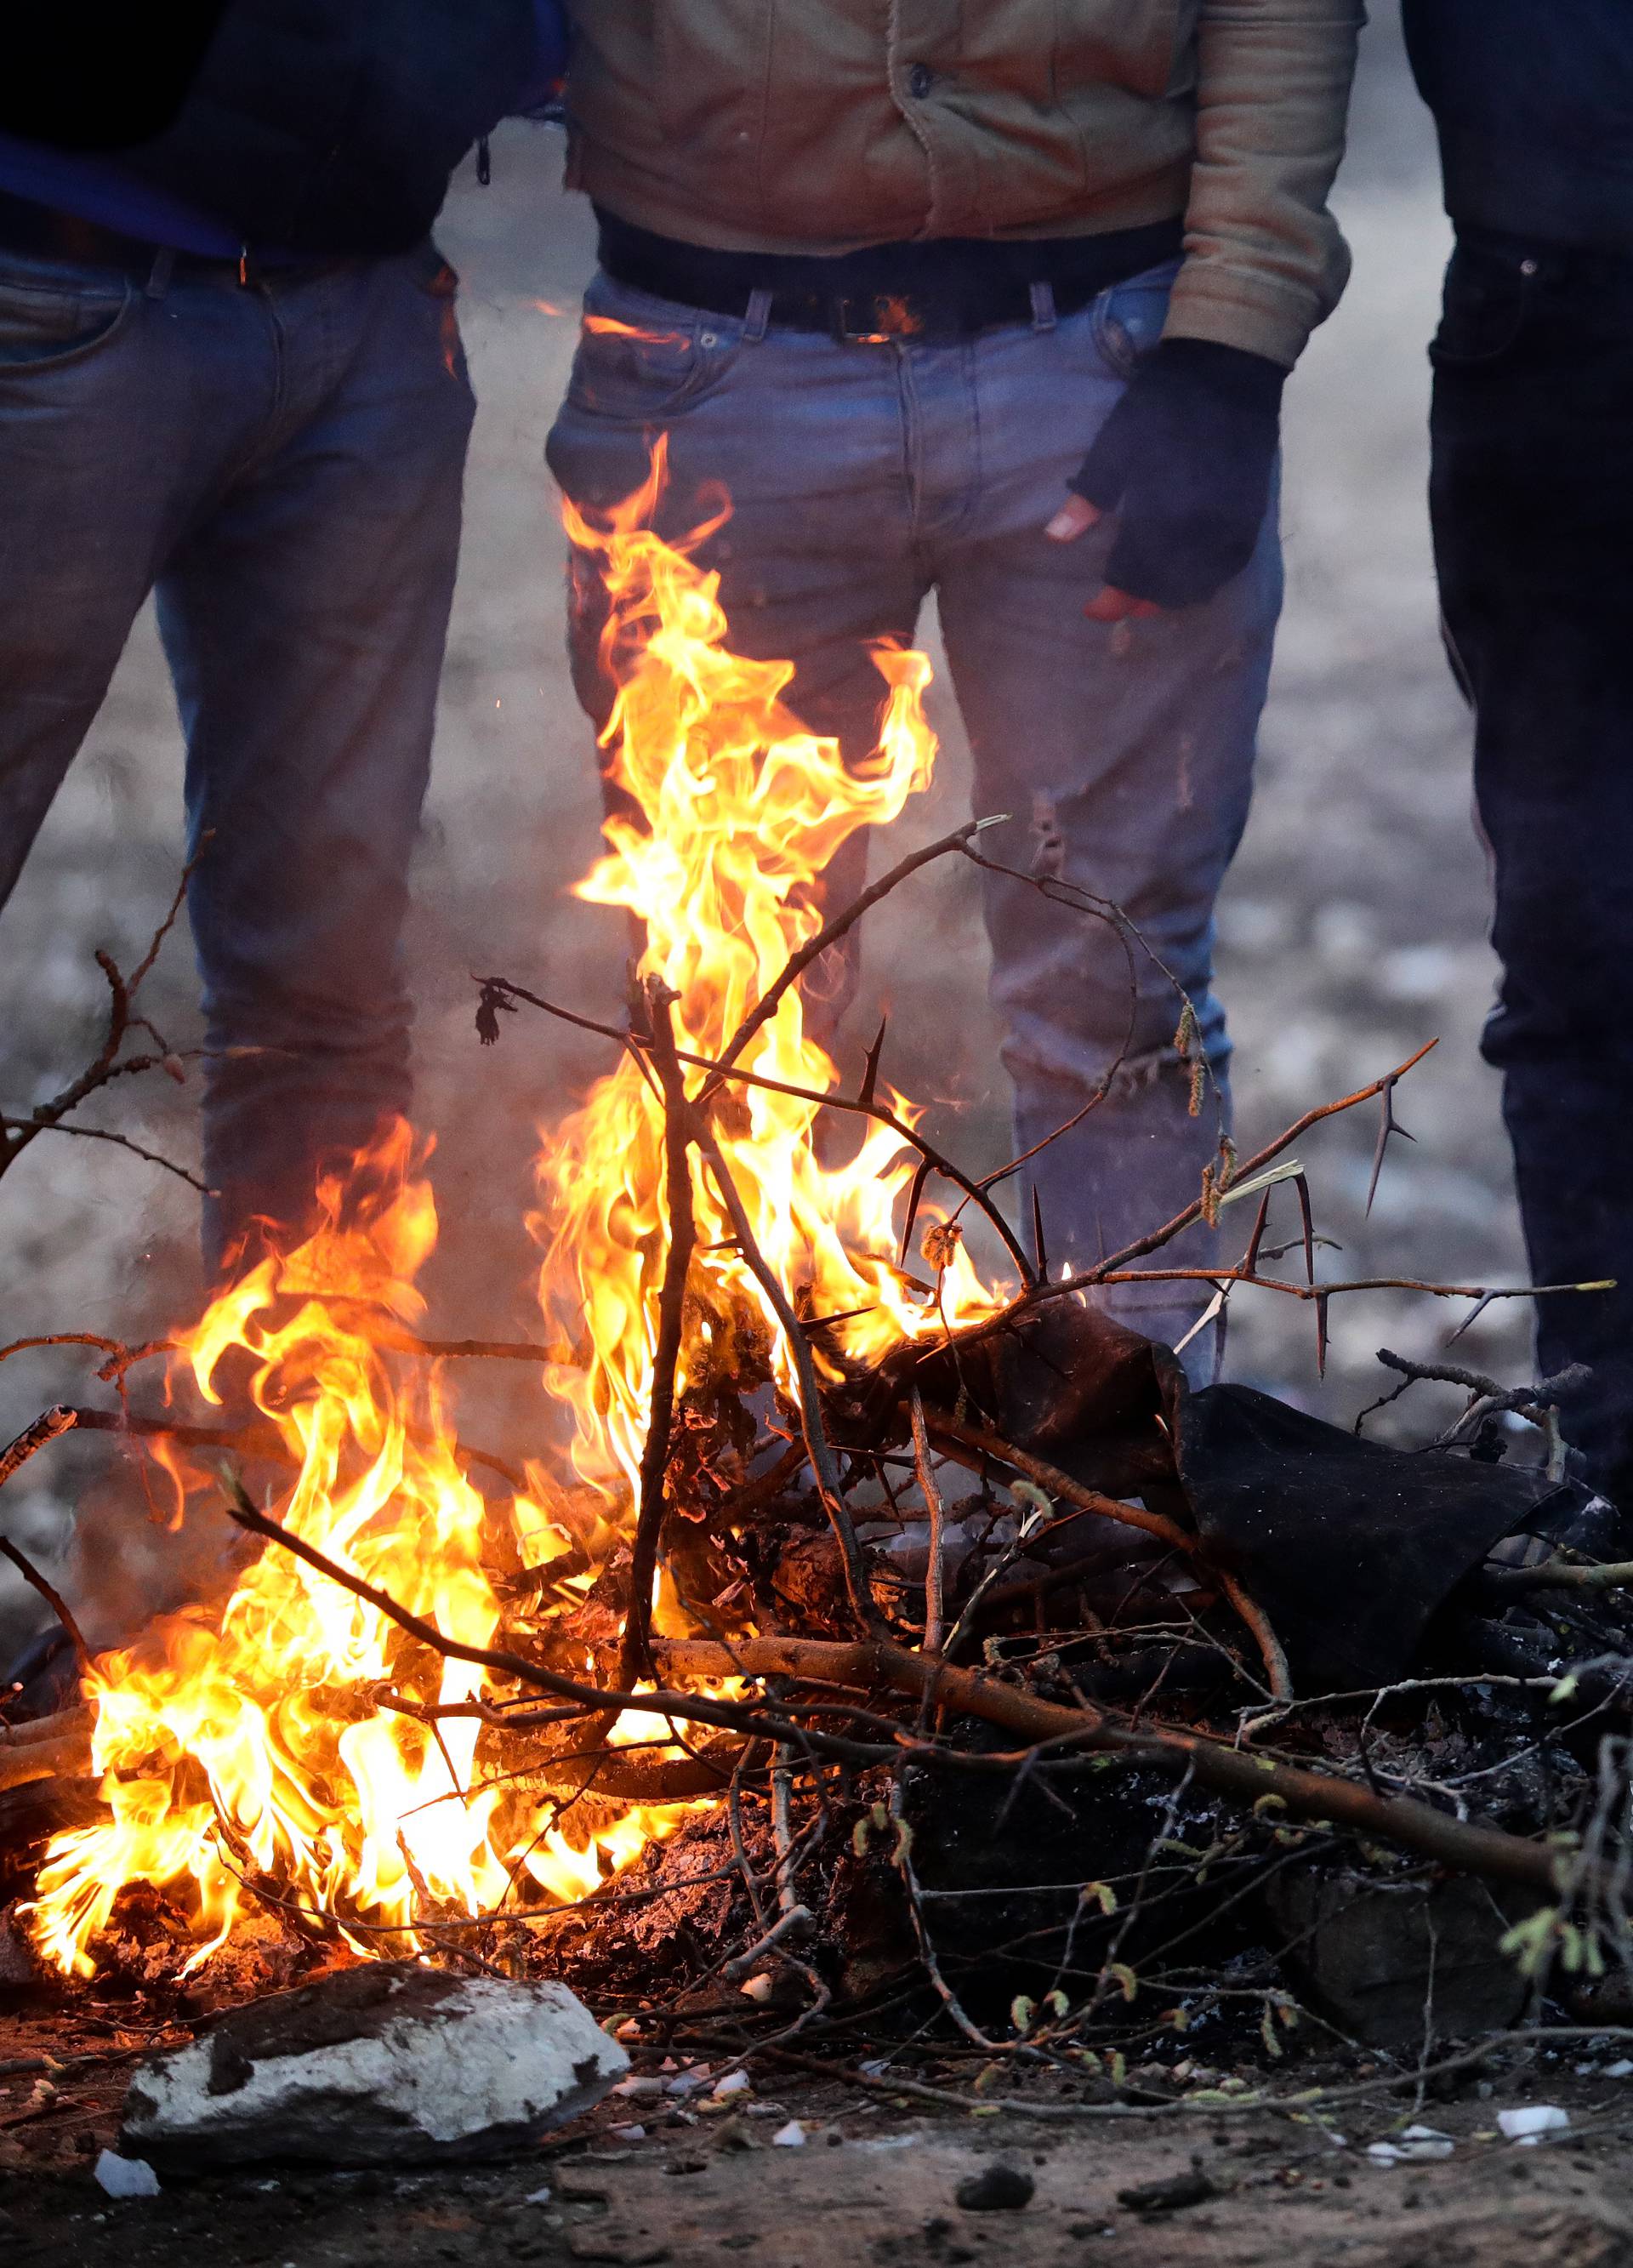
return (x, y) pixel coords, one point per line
(388, 2064)
(996, 2188)
(1388, 1962)
(125, 2177)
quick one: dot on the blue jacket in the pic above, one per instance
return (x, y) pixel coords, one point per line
(255, 158)
(1534, 103)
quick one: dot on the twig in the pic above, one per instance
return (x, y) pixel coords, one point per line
(27, 1128)
(1271, 1652)
(1050, 1478)
(49, 1426)
(935, 1571)
(1562, 1575)
(595, 1700)
(1252, 1779)
(832, 930)
(817, 1447)
(782, 1827)
(53, 1598)
(861, 1105)
(16, 1134)
(1110, 1268)
(632, 1659)
(795, 1921)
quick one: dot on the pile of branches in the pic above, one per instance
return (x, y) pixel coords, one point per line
(969, 1585)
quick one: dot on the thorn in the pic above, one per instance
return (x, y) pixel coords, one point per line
(913, 1195)
(1040, 1251)
(1303, 1188)
(1387, 1125)
(870, 1072)
(1472, 1317)
(1250, 1258)
(997, 819)
(1321, 1334)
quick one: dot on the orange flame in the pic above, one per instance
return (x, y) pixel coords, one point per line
(276, 1743)
(259, 1744)
(743, 809)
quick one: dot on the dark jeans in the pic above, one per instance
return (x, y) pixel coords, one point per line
(283, 463)
(1532, 495)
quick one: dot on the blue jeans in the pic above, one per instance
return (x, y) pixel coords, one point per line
(283, 463)
(864, 475)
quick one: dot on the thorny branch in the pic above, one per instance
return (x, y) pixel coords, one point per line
(55, 1116)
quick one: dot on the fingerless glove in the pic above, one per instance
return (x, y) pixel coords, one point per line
(1186, 460)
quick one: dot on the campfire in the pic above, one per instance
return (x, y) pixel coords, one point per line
(827, 1535)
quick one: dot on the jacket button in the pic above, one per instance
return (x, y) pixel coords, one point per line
(920, 79)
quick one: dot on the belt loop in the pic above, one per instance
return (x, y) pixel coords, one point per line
(1043, 306)
(759, 316)
(160, 273)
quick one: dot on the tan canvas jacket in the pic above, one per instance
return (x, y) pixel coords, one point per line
(824, 125)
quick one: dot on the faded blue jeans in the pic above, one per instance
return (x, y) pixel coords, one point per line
(862, 477)
(282, 462)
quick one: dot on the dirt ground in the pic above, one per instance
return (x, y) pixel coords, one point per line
(874, 2182)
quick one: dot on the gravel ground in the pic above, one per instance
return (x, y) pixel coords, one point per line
(872, 2182)
(1353, 925)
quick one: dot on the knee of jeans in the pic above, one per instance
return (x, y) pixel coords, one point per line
(281, 1019)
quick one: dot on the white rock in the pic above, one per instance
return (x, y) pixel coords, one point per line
(1622, 2069)
(538, 2196)
(1412, 2142)
(791, 2137)
(126, 2178)
(629, 2133)
(635, 2087)
(733, 2083)
(389, 2064)
(1530, 2119)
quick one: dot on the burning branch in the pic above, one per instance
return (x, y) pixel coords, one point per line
(635, 1660)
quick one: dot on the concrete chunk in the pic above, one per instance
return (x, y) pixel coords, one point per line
(386, 2064)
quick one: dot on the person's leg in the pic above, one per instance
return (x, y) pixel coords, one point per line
(96, 474)
(304, 622)
(1125, 754)
(805, 439)
(1532, 500)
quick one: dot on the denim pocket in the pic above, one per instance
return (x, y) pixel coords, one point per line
(1128, 318)
(1488, 297)
(640, 359)
(48, 319)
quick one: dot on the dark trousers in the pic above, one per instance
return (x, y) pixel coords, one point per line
(1532, 498)
(283, 465)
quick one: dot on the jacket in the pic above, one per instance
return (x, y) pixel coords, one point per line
(821, 126)
(329, 127)
(1534, 103)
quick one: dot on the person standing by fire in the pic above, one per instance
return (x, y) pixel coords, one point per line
(230, 371)
(1531, 502)
(996, 302)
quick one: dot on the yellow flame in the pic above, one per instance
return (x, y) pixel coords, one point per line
(741, 812)
(257, 1745)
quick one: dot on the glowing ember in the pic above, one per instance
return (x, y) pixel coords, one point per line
(273, 1744)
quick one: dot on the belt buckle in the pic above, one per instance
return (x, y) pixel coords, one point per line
(887, 314)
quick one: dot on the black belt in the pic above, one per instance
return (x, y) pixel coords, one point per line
(947, 288)
(46, 233)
